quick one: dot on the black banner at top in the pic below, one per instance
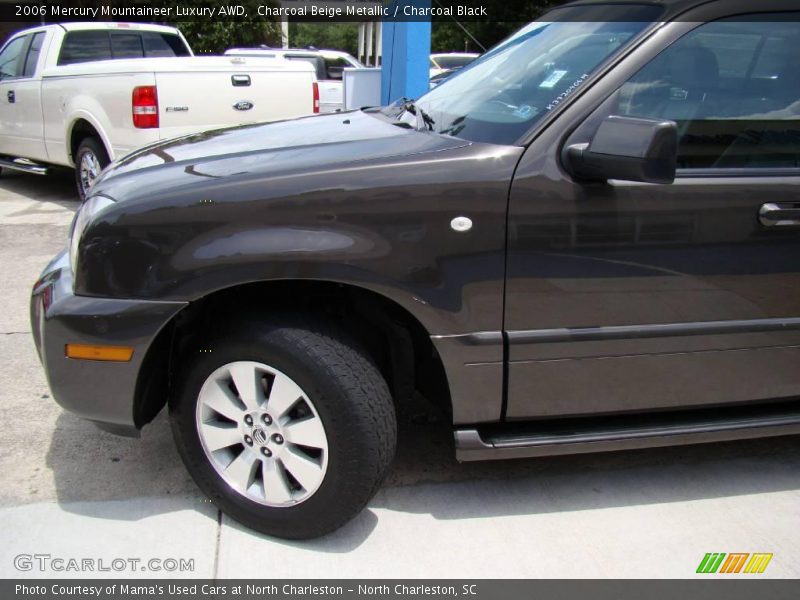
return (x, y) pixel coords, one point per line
(331, 11)
(314, 11)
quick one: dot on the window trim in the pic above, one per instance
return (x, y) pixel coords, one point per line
(742, 173)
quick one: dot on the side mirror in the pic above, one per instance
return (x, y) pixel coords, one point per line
(629, 149)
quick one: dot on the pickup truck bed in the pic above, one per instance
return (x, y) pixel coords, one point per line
(48, 109)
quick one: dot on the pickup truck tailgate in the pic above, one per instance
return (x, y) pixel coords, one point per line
(192, 101)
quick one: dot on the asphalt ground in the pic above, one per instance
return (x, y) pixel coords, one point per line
(72, 491)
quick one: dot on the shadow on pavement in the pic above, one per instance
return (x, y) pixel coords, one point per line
(53, 188)
(590, 481)
(91, 465)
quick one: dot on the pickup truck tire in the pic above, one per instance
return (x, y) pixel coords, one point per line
(90, 159)
(308, 430)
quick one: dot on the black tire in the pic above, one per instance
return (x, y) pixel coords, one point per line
(94, 147)
(350, 396)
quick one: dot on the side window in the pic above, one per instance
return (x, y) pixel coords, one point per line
(85, 46)
(126, 45)
(10, 58)
(732, 87)
(33, 54)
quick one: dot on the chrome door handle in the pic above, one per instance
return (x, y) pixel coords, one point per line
(12, 97)
(779, 214)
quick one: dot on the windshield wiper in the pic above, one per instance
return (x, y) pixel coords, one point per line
(407, 105)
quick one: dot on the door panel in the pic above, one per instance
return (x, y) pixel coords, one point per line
(11, 65)
(21, 102)
(596, 270)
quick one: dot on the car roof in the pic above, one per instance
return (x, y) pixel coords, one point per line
(671, 7)
(113, 25)
(665, 3)
(471, 54)
(275, 50)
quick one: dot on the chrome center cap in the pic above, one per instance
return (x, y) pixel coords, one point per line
(260, 436)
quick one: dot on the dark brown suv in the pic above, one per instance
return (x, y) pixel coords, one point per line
(588, 239)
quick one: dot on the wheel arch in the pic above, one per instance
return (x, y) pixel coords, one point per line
(80, 128)
(396, 340)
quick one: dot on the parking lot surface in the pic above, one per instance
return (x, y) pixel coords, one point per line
(69, 490)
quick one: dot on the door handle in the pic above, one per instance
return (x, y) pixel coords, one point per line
(779, 214)
(11, 97)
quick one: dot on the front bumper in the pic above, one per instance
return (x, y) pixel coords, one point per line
(103, 392)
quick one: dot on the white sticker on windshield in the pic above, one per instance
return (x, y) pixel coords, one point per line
(552, 79)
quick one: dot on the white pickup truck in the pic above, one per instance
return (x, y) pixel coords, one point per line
(79, 95)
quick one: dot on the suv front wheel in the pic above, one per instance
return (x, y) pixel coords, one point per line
(289, 428)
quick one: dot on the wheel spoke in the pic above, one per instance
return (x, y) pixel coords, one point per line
(242, 470)
(308, 432)
(276, 488)
(248, 384)
(217, 436)
(282, 396)
(303, 469)
(219, 398)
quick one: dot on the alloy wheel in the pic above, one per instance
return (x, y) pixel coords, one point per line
(262, 434)
(89, 170)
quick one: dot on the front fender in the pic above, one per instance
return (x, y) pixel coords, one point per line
(382, 227)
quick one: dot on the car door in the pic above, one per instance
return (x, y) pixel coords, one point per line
(631, 297)
(29, 139)
(11, 64)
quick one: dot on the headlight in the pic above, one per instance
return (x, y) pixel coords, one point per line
(83, 217)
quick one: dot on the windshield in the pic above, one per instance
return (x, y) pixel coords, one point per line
(502, 94)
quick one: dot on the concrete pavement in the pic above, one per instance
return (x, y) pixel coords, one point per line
(69, 490)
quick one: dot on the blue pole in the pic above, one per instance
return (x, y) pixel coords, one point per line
(406, 55)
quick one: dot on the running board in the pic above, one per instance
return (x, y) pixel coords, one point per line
(606, 434)
(24, 165)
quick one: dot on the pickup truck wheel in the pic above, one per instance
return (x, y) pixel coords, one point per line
(90, 160)
(289, 428)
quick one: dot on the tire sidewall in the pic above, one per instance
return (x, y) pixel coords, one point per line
(344, 429)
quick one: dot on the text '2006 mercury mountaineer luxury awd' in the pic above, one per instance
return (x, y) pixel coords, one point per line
(588, 239)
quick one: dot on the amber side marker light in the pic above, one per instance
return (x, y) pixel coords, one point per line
(110, 353)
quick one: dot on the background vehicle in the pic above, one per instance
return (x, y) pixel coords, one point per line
(440, 77)
(599, 251)
(82, 94)
(328, 64)
(450, 60)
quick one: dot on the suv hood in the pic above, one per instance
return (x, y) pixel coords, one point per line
(285, 148)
